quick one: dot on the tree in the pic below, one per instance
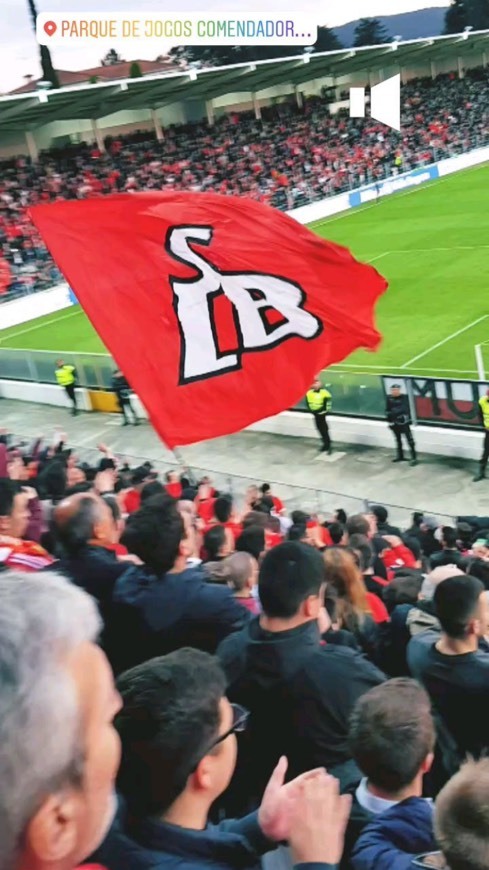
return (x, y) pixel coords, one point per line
(478, 14)
(219, 55)
(135, 70)
(49, 73)
(111, 58)
(467, 13)
(456, 17)
(370, 31)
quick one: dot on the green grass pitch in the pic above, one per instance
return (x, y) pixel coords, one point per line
(431, 243)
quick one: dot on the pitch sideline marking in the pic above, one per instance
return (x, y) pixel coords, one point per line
(38, 326)
(444, 341)
(365, 369)
(430, 250)
(379, 256)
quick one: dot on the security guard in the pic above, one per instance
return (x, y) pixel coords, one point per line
(66, 378)
(484, 417)
(398, 416)
(123, 392)
(319, 403)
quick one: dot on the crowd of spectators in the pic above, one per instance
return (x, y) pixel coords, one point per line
(178, 671)
(291, 157)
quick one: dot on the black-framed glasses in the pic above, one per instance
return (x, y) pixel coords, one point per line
(240, 720)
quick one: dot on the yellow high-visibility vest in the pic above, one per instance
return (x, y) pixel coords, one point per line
(316, 400)
(65, 376)
(484, 403)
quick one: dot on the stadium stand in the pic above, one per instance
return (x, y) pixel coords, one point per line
(289, 158)
(312, 672)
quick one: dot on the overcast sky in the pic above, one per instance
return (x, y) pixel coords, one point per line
(19, 50)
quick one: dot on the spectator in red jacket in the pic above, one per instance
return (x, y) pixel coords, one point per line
(14, 518)
(395, 554)
(132, 498)
(278, 505)
(173, 485)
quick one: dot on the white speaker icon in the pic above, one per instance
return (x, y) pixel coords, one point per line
(385, 102)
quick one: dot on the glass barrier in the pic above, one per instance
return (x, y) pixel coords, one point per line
(354, 394)
(435, 402)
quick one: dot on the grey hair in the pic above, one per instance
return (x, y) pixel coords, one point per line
(438, 575)
(43, 618)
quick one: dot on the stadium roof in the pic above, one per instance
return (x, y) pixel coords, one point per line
(29, 111)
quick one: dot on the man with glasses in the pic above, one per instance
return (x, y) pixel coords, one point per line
(179, 750)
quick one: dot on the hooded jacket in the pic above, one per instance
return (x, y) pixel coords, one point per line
(393, 839)
(407, 620)
(300, 695)
(152, 615)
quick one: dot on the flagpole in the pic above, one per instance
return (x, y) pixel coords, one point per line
(180, 460)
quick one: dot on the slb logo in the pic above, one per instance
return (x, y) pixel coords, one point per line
(266, 309)
(385, 102)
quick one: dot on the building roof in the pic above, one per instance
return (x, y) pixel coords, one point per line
(110, 73)
(28, 111)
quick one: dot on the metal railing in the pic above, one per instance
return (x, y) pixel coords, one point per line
(313, 500)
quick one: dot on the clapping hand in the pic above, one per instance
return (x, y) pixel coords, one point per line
(318, 822)
(280, 801)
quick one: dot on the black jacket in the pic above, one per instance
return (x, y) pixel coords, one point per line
(397, 410)
(96, 570)
(446, 557)
(154, 845)
(406, 621)
(121, 388)
(154, 615)
(300, 695)
(386, 529)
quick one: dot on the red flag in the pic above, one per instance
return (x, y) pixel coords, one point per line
(5, 276)
(219, 310)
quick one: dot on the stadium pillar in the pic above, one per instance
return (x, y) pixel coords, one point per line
(256, 106)
(210, 112)
(298, 97)
(433, 70)
(31, 146)
(157, 125)
(460, 67)
(98, 136)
